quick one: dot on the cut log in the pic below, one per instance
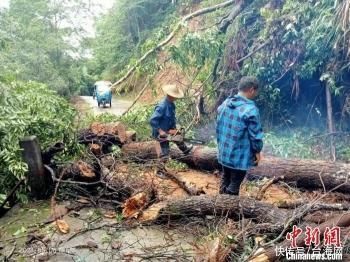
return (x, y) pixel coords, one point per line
(80, 171)
(115, 128)
(203, 158)
(141, 151)
(87, 137)
(310, 174)
(224, 205)
(95, 149)
(134, 205)
(130, 136)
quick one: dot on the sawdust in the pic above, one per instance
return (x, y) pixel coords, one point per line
(166, 188)
(213, 251)
(276, 194)
(208, 182)
(151, 213)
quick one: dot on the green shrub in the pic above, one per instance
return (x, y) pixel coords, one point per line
(29, 109)
(305, 143)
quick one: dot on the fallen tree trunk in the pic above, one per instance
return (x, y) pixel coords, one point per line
(311, 174)
(306, 173)
(224, 205)
(204, 158)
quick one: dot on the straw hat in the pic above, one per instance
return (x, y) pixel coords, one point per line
(173, 90)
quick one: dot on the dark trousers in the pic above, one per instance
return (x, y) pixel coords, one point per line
(165, 151)
(231, 180)
(165, 148)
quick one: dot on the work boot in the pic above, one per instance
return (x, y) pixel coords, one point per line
(186, 149)
(237, 177)
(225, 181)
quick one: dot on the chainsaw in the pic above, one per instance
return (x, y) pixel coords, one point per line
(179, 137)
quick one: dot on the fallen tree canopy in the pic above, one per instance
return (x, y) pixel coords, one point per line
(141, 196)
(310, 174)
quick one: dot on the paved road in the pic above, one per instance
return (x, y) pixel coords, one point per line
(118, 106)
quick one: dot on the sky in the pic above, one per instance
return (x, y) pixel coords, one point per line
(4, 3)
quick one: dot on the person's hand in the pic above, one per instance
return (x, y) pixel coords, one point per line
(173, 132)
(257, 158)
(162, 133)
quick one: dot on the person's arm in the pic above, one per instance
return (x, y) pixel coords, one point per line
(255, 132)
(156, 117)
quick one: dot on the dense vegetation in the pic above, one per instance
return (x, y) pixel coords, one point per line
(41, 57)
(39, 41)
(126, 31)
(298, 49)
(24, 112)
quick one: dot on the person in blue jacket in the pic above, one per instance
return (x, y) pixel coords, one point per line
(163, 122)
(239, 135)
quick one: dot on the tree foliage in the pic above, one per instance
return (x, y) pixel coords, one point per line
(40, 42)
(29, 109)
(127, 30)
(305, 41)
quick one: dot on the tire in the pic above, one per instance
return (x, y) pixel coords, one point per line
(110, 103)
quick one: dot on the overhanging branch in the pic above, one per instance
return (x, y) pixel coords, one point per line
(171, 36)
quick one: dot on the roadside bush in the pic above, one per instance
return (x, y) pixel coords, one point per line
(29, 109)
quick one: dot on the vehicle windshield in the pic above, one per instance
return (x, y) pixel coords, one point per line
(103, 88)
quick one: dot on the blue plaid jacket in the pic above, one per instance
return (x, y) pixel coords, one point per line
(163, 117)
(239, 133)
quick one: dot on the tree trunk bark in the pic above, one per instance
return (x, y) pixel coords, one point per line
(224, 205)
(39, 183)
(330, 121)
(310, 174)
(236, 10)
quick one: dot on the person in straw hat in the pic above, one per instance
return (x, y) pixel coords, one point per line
(163, 123)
